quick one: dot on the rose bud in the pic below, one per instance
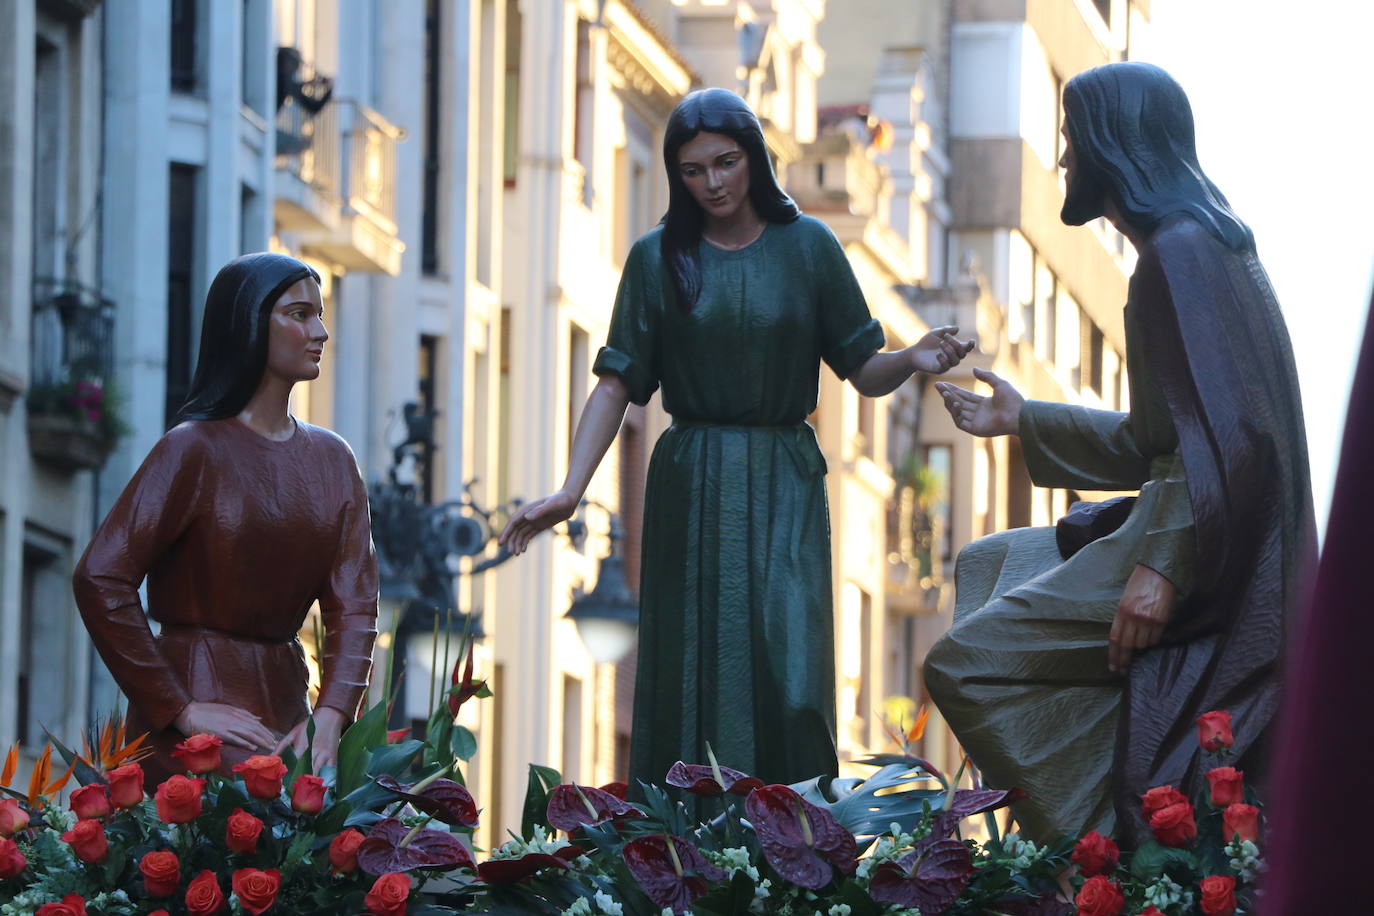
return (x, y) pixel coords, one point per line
(1214, 730)
(1242, 821)
(307, 794)
(71, 905)
(161, 873)
(199, 753)
(1096, 855)
(1099, 896)
(1174, 825)
(178, 799)
(241, 833)
(257, 890)
(126, 785)
(12, 817)
(90, 802)
(343, 851)
(1158, 798)
(159, 913)
(262, 775)
(1151, 911)
(12, 861)
(388, 895)
(203, 896)
(87, 840)
(1218, 895)
(1228, 786)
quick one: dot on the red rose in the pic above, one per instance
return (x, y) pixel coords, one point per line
(1174, 825)
(12, 817)
(87, 840)
(241, 833)
(1096, 855)
(1242, 820)
(71, 905)
(1228, 786)
(12, 861)
(199, 753)
(1099, 897)
(159, 913)
(1214, 730)
(262, 775)
(178, 799)
(257, 890)
(161, 873)
(343, 851)
(203, 896)
(1218, 895)
(90, 802)
(388, 895)
(126, 785)
(1159, 798)
(1150, 911)
(307, 794)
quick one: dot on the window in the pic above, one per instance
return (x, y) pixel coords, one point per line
(427, 401)
(1104, 9)
(866, 431)
(185, 45)
(1092, 355)
(181, 237)
(584, 110)
(429, 218)
(50, 145)
(510, 156)
(578, 370)
(1043, 318)
(572, 728)
(253, 80)
(939, 459)
(44, 635)
(250, 215)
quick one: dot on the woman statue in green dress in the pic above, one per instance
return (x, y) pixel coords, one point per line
(730, 304)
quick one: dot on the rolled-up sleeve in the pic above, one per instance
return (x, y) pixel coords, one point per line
(632, 344)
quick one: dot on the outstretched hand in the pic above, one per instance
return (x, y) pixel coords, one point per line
(983, 415)
(535, 517)
(230, 724)
(939, 350)
(1146, 607)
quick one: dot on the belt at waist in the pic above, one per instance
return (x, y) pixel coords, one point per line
(177, 629)
(799, 439)
(707, 424)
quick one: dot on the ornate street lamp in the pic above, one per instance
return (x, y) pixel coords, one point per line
(607, 617)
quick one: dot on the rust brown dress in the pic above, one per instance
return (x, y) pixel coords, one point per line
(237, 536)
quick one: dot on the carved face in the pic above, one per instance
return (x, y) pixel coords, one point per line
(296, 332)
(715, 170)
(1084, 196)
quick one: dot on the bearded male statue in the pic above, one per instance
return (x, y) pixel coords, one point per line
(1078, 679)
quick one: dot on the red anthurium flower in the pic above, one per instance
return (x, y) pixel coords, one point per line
(469, 689)
(512, 871)
(444, 799)
(1218, 895)
(929, 878)
(702, 780)
(1228, 786)
(1096, 854)
(571, 807)
(391, 846)
(1214, 730)
(968, 802)
(71, 905)
(1100, 896)
(670, 870)
(800, 840)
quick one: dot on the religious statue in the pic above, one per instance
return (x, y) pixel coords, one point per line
(731, 304)
(1078, 678)
(240, 518)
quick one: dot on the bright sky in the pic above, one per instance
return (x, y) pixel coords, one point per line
(1281, 93)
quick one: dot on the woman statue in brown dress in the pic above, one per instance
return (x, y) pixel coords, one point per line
(240, 518)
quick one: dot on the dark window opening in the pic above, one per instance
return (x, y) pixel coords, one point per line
(429, 220)
(428, 402)
(181, 218)
(184, 45)
(510, 155)
(1104, 9)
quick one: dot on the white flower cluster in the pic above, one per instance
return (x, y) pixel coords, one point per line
(736, 859)
(839, 909)
(1165, 893)
(888, 848)
(605, 904)
(540, 842)
(1021, 853)
(1245, 860)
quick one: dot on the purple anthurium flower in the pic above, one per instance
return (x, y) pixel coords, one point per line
(443, 799)
(968, 802)
(929, 878)
(670, 870)
(511, 871)
(800, 840)
(571, 807)
(712, 781)
(392, 846)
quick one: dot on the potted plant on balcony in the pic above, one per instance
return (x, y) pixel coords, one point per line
(74, 423)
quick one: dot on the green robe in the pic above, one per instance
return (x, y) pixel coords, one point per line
(736, 633)
(1022, 677)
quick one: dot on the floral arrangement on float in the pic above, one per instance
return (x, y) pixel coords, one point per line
(390, 833)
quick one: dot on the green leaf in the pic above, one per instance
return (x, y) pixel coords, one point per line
(464, 743)
(368, 732)
(393, 759)
(856, 804)
(728, 899)
(297, 853)
(333, 819)
(536, 811)
(1152, 860)
(438, 737)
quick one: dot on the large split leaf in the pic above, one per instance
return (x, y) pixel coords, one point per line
(860, 809)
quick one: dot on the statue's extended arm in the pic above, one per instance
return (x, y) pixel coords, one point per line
(1081, 448)
(938, 351)
(601, 419)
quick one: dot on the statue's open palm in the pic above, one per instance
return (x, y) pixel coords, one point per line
(998, 414)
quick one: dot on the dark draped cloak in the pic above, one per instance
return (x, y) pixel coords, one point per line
(1223, 358)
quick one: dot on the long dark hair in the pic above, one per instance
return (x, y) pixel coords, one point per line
(716, 111)
(233, 335)
(1132, 133)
